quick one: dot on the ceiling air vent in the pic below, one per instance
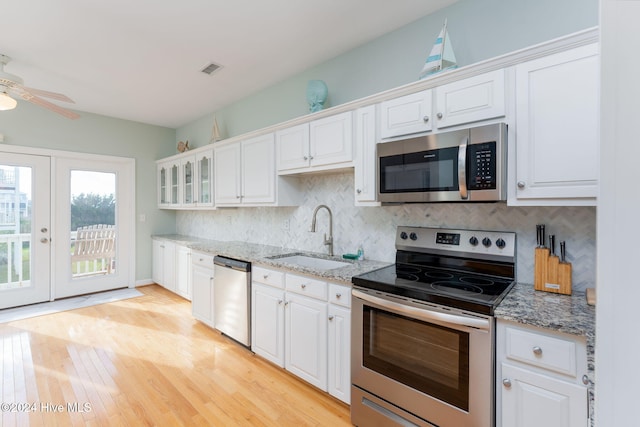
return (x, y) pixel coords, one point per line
(211, 68)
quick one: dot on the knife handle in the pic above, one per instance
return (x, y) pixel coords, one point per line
(563, 251)
(552, 243)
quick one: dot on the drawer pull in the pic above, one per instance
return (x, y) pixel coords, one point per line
(266, 276)
(506, 382)
(303, 286)
(338, 296)
(537, 351)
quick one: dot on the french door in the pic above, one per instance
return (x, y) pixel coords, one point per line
(67, 225)
(25, 223)
(94, 225)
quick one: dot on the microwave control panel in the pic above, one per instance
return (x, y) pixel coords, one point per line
(481, 170)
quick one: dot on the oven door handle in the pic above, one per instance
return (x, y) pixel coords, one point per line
(462, 168)
(426, 315)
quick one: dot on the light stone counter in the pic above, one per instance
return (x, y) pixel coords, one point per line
(267, 256)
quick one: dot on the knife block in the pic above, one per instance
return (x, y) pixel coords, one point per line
(551, 275)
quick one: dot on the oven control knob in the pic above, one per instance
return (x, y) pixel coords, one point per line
(501, 243)
(473, 241)
(413, 236)
(403, 236)
(486, 242)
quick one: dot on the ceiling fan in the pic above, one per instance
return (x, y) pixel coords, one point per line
(12, 85)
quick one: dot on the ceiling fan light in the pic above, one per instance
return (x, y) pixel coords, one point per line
(7, 102)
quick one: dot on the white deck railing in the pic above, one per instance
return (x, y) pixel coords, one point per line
(11, 255)
(93, 253)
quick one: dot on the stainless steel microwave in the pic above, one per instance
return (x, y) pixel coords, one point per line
(466, 165)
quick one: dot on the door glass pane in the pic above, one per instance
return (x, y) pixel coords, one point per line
(15, 226)
(163, 186)
(188, 183)
(174, 184)
(204, 180)
(93, 227)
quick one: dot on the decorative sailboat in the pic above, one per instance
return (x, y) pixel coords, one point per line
(441, 57)
(215, 131)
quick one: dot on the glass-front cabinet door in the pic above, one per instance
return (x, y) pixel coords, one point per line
(188, 187)
(163, 185)
(174, 172)
(204, 167)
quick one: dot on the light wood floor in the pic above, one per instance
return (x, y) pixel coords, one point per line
(146, 362)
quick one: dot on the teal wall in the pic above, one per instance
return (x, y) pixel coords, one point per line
(478, 29)
(32, 126)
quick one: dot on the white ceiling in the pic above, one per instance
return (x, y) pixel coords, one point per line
(141, 59)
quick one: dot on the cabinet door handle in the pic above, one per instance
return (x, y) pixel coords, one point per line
(266, 276)
(359, 191)
(585, 380)
(425, 119)
(521, 184)
(330, 318)
(279, 302)
(439, 115)
(506, 382)
(310, 157)
(303, 286)
(306, 158)
(537, 351)
(338, 296)
(286, 303)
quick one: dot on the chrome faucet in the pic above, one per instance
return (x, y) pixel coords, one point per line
(327, 241)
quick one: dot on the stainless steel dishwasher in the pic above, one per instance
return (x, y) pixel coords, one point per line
(232, 298)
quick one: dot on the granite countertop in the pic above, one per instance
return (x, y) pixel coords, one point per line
(268, 256)
(562, 313)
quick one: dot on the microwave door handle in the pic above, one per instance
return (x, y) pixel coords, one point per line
(421, 314)
(462, 168)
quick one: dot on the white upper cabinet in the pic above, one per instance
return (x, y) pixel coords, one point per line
(331, 140)
(322, 144)
(406, 115)
(245, 175)
(473, 99)
(163, 184)
(293, 147)
(557, 129)
(258, 170)
(187, 181)
(204, 178)
(470, 100)
(227, 174)
(365, 157)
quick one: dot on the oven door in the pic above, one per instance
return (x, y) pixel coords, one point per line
(413, 359)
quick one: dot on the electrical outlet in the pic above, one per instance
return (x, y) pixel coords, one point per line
(286, 224)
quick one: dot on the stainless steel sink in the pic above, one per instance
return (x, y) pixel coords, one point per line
(310, 262)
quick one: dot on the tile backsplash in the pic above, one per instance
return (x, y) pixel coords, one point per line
(374, 227)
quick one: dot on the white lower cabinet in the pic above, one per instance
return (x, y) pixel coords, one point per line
(306, 339)
(339, 351)
(541, 378)
(202, 287)
(164, 264)
(183, 271)
(303, 324)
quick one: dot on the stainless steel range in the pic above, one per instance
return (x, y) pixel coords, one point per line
(423, 341)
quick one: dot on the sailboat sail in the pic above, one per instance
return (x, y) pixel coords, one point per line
(441, 56)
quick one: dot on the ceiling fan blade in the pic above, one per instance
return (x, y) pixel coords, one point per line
(47, 94)
(48, 105)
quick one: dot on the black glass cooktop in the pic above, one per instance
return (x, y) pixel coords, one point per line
(461, 289)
